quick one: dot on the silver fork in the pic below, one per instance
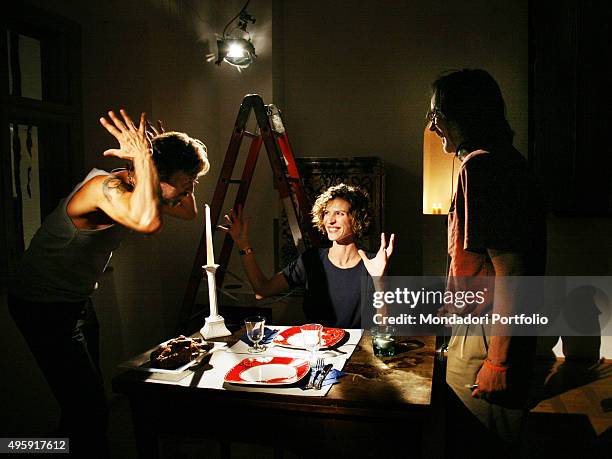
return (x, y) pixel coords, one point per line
(314, 371)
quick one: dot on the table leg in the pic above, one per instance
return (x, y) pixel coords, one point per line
(226, 449)
(434, 433)
(145, 430)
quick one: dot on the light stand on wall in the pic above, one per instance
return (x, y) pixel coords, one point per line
(236, 47)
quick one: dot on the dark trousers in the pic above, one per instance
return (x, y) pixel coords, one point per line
(64, 339)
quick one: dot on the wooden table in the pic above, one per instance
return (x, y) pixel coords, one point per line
(378, 409)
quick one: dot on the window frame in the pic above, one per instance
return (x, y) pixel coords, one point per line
(60, 41)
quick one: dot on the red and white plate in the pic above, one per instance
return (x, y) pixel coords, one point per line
(268, 371)
(292, 337)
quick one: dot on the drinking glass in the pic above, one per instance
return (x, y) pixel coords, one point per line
(311, 334)
(383, 342)
(255, 332)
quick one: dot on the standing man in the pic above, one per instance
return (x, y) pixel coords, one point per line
(49, 297)
(494, 229)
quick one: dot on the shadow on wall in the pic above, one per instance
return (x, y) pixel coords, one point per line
(407, 257)
(586, 311)
(138, 288)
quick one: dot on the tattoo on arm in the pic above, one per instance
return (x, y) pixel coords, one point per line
(113, 187)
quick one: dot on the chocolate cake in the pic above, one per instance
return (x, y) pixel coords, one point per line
(176, 352)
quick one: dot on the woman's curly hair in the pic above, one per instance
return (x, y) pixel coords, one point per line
(359, 207)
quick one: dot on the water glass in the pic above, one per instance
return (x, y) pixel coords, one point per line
(255, 327)
(311, 335)
(383, 341)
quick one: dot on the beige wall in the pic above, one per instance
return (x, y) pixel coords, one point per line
(357, 76)
(352, 78)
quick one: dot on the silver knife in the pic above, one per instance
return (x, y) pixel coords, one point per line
(322, 375)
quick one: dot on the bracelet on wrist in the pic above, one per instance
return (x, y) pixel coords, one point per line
(492, 366)
(246, 251)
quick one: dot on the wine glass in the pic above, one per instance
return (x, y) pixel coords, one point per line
(311, 334)
(255, 332)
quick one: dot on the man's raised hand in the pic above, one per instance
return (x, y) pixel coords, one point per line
(153, 131)
(133, 142)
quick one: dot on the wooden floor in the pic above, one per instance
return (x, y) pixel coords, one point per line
(580, 389)
(573, 414)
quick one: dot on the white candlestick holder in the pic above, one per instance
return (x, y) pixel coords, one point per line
(214, 325)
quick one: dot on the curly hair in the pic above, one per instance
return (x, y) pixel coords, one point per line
(360, 212)
(177, 152)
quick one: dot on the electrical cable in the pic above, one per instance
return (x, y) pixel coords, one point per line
(235, 17)
(197, 13)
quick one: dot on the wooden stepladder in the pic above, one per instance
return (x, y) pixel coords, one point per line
(271, 133)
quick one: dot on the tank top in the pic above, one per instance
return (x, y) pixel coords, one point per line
(63, 262)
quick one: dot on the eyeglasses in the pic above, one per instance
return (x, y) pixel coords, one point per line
(433, 116)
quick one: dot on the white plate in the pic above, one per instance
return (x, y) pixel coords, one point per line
(269, 371)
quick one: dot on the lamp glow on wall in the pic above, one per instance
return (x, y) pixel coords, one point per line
(236, 47)
(438, 175)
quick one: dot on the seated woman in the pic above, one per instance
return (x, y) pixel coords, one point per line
(335, 278)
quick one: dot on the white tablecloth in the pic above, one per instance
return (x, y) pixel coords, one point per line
(223, 359)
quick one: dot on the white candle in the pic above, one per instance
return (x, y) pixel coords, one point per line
(210, 256)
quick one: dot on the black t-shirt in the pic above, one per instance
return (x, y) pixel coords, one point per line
(333, 295)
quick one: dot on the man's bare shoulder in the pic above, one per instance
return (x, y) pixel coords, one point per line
(113, 187)
(101, 187)
(108, 187)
